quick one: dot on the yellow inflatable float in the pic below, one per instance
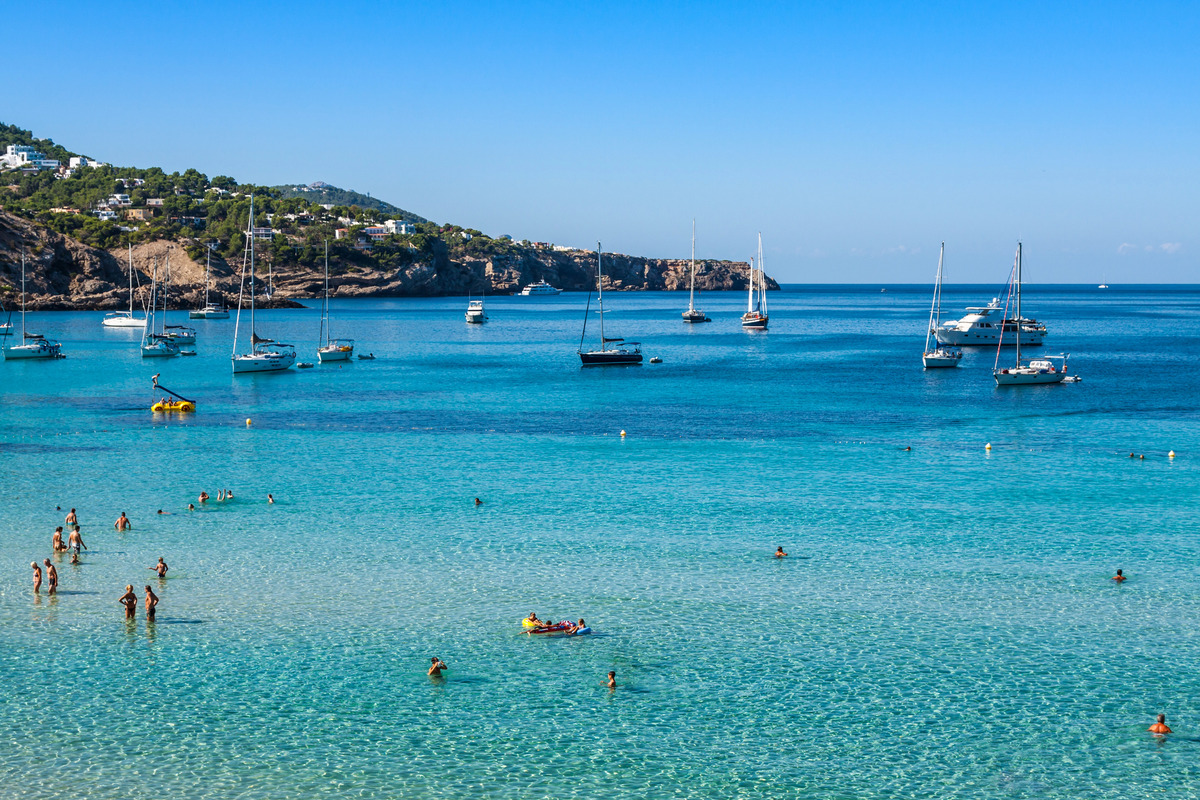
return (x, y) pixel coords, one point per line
(173, 407)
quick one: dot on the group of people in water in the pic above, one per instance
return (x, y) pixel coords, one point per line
(75, 544)
(535, 625)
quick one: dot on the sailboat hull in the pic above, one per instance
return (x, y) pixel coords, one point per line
(123, 320)
(334, 354)
(24, 352)
(695, 316)
(263, 362)
(755, 321)
(207, 313)
(941, 359)
(610, 357)
(1027, 377)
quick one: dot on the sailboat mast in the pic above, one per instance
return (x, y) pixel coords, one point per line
(692, 295)
(253, 330)
(1018, 324)
(325, 304)
(22, 297)
(207, 274)
(166, 277)
(131, 279)
(750, 295)
(600, 292)
(762, 280)
(937, 300)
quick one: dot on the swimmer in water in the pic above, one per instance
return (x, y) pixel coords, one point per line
(51, 577)
(59, 546)
(74, 556)
(203, 497)
(779, 552)
(161, 567)
(533, 618)
(478, 502)
(1119, 576)
(435, 669)
(229, 494)
(123, 523)
(151, 602)
(1160, 727)
(129, 600)
(75, 540)
(270, 499)
(574, 629)
(191, 506)
(37, 577)
(612, 680)
(220, 495)
(71, 518)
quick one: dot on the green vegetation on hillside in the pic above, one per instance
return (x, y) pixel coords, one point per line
(194, 210)
(324, 194)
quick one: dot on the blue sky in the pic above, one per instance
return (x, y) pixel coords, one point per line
(855, 137)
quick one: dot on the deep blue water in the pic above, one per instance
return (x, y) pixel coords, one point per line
(944, 627)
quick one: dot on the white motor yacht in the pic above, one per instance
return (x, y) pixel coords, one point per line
(980, 327)
(210, 311)
(539, 289)
(475, 312)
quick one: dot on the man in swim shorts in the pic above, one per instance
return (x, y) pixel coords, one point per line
(129, 600)
(71, 518)
(75, 540)
(161, 567)
(1118, 577)
(1160, 727)
(122, 523)
(435, 669)
(51, 577)
(151, 602)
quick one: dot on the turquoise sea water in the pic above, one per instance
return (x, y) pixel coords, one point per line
(944, 627)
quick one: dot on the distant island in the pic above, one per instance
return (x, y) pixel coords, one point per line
(79, 220)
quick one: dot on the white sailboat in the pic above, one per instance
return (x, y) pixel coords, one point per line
(33, 345)
(211, 310)
(756, 317)
(939, 356)
(692, 314)
(1103, 283)
(266, 355)
(179, 334)
(1038, 370)
(332, 349)
(125, 319)
(611, 351)
(156, 345)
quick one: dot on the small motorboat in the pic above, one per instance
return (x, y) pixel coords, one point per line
(367, 357)
(656, 360)
(304, 365)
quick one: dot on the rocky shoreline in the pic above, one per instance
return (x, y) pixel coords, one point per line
(63, 274)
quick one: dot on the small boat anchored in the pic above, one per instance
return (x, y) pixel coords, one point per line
(33, 345)
(125, 319)
(332, 349)
(211, 310)
(540, 289)
(266, 355)
(157, 345)
(693, 314)
(611, 351)
(1038, 370)
(756, 317)
(939, 356)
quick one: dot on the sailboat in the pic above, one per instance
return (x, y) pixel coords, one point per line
(125, 319)
(939, 356)
(33, 345)
(692, 314)
(156, 345)
(612, 351)
(1038, 370)
(179, 334)
(211, 310)
(266, 355)
(1103, 283)
(6, 326)
(332, 349)
(756, 316)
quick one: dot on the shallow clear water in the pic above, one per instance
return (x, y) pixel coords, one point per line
(945, 626)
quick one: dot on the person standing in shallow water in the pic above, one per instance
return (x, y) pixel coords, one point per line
(1120, 576)
(123, 523)
(151, 602)
(75, 540)
(435, 669)
(58, 543)
(1160, 726)
(129, 600)
(71, 518)
(51, 577)
(612, 680)
(37, 577)
(161, 567)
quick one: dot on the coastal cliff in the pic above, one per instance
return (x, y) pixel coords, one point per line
(65, 274)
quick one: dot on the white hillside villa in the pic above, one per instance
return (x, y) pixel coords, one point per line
(22, 156)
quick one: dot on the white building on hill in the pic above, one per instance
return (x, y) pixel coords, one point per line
(22, 156)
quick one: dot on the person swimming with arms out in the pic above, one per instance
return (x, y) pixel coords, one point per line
(779, 553)
(123, 523)
(1160, 726)
(129, 600)
(37, 577)
(151, 603)
(51, 577)
(1119, 577)
(436, 667)
(161, 567)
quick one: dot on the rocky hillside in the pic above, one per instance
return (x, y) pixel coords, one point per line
(62, 273)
